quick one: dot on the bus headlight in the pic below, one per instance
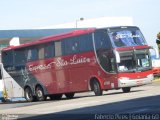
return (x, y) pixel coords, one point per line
(123, 78)
(122, 81)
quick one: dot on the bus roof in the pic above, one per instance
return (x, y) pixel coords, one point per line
(53, 38)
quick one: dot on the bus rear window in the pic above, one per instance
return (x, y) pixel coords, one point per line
(7, 58)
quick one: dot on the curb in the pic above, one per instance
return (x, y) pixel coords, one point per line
(156, 80)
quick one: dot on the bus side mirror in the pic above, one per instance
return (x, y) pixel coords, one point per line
(156, 51)
(118, 60)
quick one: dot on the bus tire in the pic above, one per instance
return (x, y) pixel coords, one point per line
(96, 88)
(56, 96)
(69, 95)
(40, 94)
(28, 94)
(126, 89)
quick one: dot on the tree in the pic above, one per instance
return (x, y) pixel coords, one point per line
(158, 41)
(158, 36)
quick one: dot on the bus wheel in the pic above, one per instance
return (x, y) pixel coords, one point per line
(40, 94)
(96, 88)
(28, 94)
(69, 95)
(126, 89)
(56, 96)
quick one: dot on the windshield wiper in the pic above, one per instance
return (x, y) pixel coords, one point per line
(133, 70)
(143, 69)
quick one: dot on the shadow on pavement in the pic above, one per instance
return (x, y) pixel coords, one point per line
(116, 111)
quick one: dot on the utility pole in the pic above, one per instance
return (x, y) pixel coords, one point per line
(81, 19)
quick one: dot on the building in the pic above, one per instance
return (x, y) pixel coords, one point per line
(29, 35)
(95, 22)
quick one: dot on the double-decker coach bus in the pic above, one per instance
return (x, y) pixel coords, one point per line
(77, 61)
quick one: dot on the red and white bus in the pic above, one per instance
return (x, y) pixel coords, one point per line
(78, 61)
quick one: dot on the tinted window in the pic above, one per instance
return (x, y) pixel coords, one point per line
(86, 43)
(49, 50)
(102, 40)
(20, 57)
(104, 55)
(46, 51)
(58, 48)
(41, 52)
(32, 54)
(77, 44)
(70, 46)
(7, 58)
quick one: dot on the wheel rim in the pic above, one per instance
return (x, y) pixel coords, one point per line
(39, 93)
(28, 94)
(96, 88)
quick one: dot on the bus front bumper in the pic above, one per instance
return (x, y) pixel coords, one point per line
(126, 82)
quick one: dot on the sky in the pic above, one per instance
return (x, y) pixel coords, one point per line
(27, 14)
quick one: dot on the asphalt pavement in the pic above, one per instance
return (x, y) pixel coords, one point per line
(141, 102)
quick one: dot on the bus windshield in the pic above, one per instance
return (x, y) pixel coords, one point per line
(139, 60)
(124, 37)
(131, 60)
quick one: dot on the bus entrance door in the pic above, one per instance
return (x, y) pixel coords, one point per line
(10, 88)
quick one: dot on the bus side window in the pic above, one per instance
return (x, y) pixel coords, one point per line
(102, 40)
(105, 57)
(49, 50)
(41, 52)
(20, 56)
(32, 54)
(70, 46)
(77, 44)
(86, 43)
(74, 46)
(58, 48)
